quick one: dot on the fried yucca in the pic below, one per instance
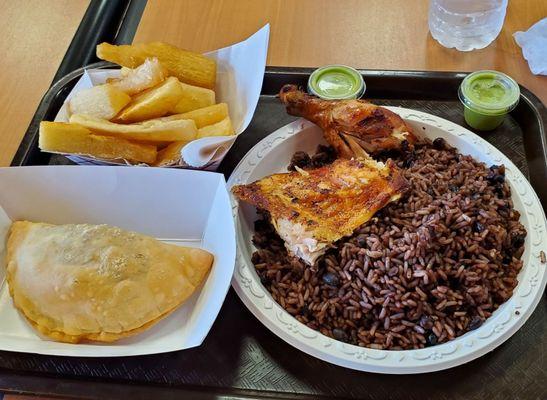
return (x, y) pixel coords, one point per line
(187, 66)
(193, 97)
(153, 130)
(203, 116)
(153, 103)
(147, 75)
(61, 137)
(222, 128)
(103, 101)
(170, 154)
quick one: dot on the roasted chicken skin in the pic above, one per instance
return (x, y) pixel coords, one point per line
(354, 128)
(311, 209)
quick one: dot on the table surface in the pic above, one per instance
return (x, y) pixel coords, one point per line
(31, 54)
(369, 34)
(391, 34)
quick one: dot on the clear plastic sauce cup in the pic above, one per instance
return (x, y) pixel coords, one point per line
(487, 96)
(336, 82)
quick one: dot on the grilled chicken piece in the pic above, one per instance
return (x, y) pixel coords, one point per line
(353, 127)
(311, 209)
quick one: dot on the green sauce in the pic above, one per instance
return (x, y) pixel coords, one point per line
(487, 89)
(487, 97)
(336, 82)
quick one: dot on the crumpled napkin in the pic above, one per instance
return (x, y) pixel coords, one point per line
(534, 46)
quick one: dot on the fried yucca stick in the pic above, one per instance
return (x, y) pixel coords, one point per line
(154, 130)
(193, 97)
(153, 103)
(61, 137)
(132, 81)
(222, 128)
(103, 101)
(170, 154)
(189, 67)
(202, 116)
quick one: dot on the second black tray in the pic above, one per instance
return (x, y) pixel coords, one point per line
(240, 358)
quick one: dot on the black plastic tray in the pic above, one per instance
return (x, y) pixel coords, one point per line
(240, 358)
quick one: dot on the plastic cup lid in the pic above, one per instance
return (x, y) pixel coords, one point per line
(489, 92)
(336, 82)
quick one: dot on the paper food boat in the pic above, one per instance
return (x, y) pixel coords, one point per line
(240, 71)
(189, 208)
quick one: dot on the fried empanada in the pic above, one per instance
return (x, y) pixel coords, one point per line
(85, 282)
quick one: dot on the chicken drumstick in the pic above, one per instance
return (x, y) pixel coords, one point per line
(353, 127)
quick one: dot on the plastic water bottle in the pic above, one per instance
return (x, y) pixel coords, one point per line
(466, 24)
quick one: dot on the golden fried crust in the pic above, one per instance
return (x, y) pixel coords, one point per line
(331, 201)
(84, 282)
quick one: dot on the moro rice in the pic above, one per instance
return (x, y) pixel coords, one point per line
(423, 271)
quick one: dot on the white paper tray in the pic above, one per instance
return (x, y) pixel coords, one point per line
(179, 206)
(240, 71)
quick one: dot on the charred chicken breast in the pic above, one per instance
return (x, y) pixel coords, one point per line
(311, 209)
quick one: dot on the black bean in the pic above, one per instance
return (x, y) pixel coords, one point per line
(517, 240)
(439, 144)
(499, 178)
(498, 190)
(405, 145)
(262, 225)
(362, 240)
(255, 258)
(331, 279)
(453, 188)
(425, 322)
(305, 311)
(496, 175)
(409, 159)
(320, 159)
(503, 210)
(339, 334)
(260, 240)
(431, 339)
(477, 227)
(321, 264)
(430, 191)
(300, 159)
(474, 323)
(265, 280)
(454, 283)
(325, 149)
(507, 259)
(297, 273)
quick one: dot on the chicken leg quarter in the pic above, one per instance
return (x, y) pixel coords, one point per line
(353, 127)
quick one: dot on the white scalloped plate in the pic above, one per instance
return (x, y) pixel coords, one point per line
(273, 154)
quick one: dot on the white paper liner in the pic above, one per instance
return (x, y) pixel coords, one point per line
(240, 71)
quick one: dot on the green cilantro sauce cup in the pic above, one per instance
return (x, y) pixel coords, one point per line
(487, 96)
(336, 82)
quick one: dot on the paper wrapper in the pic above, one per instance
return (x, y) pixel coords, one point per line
(240, 71)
